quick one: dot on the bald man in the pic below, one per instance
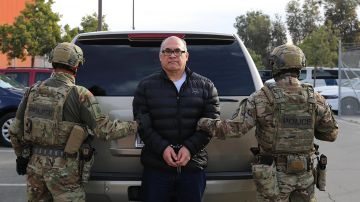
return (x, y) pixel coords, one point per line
(174, 156)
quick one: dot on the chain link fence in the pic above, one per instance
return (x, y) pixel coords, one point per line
(348, 95)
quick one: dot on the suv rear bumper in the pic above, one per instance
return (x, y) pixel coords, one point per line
(228, 186)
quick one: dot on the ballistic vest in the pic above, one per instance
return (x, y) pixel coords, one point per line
(43, 120)
(293, 121)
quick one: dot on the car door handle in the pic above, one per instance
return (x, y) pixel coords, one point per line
(228, 100)
(125, 152)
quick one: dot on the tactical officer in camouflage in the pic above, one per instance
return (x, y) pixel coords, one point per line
(51, 126)
(287, 115)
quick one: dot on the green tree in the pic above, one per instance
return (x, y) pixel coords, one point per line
(278, 32)
(68, 33)
(5, 31)
(294, 20)
(89, 23)
(302, 21)
(254, 29)
(34, 32)
(342, 15)
(321, 47)
(257, 59)
(311, 16)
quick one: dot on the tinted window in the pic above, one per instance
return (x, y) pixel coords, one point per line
(325, 74)
(302, 74)
(41, 76)
(21, 77)
(265, 75)
(329, 76)
(115, 70)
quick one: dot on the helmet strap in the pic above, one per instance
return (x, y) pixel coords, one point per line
(73, 70)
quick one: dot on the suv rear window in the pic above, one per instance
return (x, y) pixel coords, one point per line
(114, 69)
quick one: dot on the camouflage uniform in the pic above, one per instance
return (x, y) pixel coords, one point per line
(38, 124)
(287, 116)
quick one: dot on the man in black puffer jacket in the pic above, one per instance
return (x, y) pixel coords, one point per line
(174, 156)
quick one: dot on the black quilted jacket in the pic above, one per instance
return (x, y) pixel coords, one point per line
(174, 117)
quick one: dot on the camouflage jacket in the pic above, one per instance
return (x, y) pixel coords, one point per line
(80, 107)
(257, 111)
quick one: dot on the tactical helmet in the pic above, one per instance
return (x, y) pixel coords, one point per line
(286, 57)
(67, 54)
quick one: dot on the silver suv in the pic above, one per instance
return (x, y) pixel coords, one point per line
(117, 61)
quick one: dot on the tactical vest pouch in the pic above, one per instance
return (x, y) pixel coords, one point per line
(64, 131)
(76, 138)
(87, 154)
(85, 173)
(265, 179)
(321, 172)
(39, 132)
(321, 179)
(47, 133)
(296, 164)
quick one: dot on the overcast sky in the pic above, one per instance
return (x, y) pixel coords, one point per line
(187, 15)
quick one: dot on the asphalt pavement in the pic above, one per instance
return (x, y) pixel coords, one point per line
(343, 169)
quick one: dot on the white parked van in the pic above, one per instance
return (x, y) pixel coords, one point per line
(324, 76)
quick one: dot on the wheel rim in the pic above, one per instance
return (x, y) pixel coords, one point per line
(349, 106)
(5, 129)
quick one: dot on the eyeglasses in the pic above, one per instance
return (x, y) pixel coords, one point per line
(177, 52)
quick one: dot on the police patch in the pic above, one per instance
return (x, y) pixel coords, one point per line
(41, 111)
(294, 121)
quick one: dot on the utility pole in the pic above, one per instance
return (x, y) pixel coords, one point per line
(99, 28)
(133, 16)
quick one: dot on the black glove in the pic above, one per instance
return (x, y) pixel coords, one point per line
(21, 165)
(144, 122)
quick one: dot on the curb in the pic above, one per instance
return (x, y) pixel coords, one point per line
(350, 120)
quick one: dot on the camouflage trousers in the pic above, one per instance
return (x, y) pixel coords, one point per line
(293, 187)
(54, 179)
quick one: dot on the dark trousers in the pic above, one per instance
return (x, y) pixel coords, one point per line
(162, 186)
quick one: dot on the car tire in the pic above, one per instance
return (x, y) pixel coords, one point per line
(5, 122)
(349, 106)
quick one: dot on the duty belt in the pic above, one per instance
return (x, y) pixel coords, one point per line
(52, 152)
(281, 161)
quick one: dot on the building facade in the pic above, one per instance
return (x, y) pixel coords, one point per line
(9, 10)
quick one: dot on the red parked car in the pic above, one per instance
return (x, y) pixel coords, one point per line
(26, 75)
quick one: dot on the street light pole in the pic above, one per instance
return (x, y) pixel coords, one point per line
(133, 25)
(99, 16)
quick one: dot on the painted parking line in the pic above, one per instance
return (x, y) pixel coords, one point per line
(12, 185)
(6, 150)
